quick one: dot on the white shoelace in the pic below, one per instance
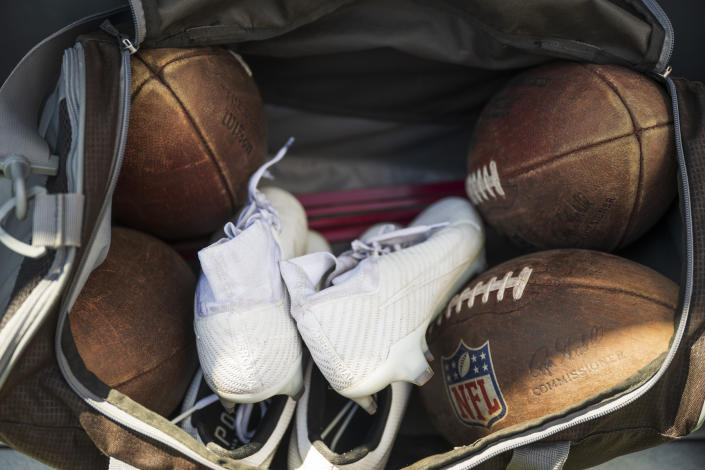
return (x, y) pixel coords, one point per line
(350, 408)
(243, 413)
(242, 420)
(258, 206)
(389, 239)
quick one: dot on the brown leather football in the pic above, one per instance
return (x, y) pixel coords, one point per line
(133, 321)
(573, 155)
(540, 334)
(197, 132)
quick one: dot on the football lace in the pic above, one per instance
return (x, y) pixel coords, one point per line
(517, 284)
(484, 184)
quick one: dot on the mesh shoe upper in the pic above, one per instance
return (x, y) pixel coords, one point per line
(350, 326)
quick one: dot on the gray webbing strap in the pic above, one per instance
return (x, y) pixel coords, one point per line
(115, 464)
(58, 219)
(540, 456)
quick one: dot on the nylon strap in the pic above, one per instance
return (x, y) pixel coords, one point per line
(115, 464)
(58, 219)
(540, 456)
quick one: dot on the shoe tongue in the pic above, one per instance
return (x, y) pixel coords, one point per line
(244, 268)
(303, 274)
(344, 266)
(347, 263)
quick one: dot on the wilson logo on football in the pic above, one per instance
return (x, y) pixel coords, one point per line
(472, 386)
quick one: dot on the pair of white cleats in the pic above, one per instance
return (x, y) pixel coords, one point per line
(326, 432)
(363, 315)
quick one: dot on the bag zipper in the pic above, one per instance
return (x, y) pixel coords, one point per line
(138, 21)
(15, 336)
(99, 404)
(662, 68)
(123, 41)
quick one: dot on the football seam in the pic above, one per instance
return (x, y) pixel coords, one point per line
(607, 289)
(156, 72)
(460, 320)
(153, 368)
(156, 76)
(640, 182)
(568, 153)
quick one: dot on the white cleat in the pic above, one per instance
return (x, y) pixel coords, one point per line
(251, 434)
(366, 328)
(247, 342)
(330, 432)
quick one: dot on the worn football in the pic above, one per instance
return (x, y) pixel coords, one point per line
(132, 323)
(197, 132)
(574, 155)
(541, 334)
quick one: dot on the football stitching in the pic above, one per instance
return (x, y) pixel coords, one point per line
(640, 181)
(475, 189)
(615, 290)
(523, 170)
(569, 153)
(484, 184)
(154, 367)
(517, 284)
(468, 294)
(153, 73)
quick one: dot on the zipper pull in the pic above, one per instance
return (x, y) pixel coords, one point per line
(665, 73)
(124, 41)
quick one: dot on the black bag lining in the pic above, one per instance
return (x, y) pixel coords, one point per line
(324, 404)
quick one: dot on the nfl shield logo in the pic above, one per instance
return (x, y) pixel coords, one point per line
(472, 386)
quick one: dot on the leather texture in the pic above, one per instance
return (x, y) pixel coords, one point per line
(584, 155)
(132, 321)
(197, 132)
(585, 322)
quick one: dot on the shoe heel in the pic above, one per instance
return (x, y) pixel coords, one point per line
(292, 385)
(229, 405)
(406, 362)
(295, 387)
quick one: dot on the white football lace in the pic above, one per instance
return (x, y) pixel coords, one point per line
(258, 206)
(517, 284)
(484, 183)
(388, 240)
